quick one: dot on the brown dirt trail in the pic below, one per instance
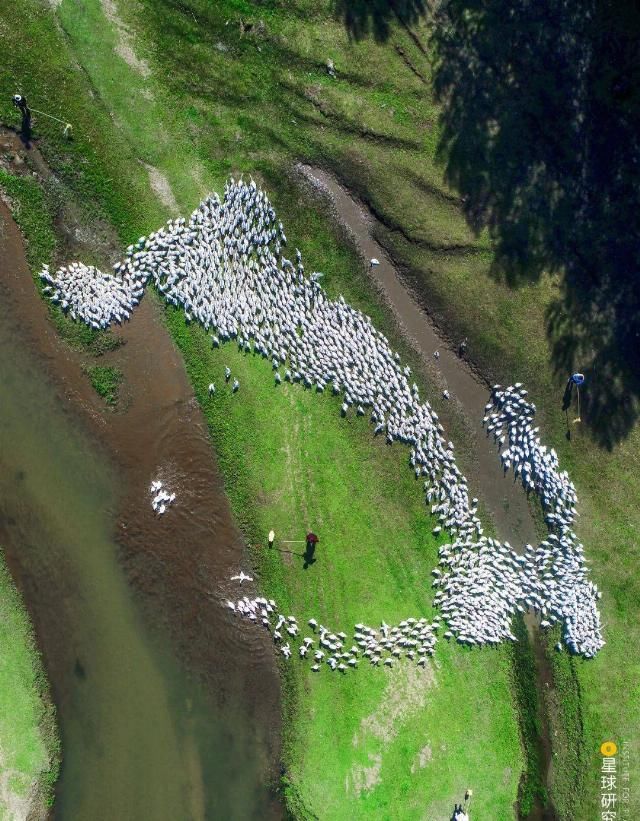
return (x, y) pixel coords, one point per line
(502, 494)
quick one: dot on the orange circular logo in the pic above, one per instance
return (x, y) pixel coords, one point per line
(609, 748)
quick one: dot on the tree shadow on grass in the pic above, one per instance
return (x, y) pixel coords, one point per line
(610, 400)
(363, 18)
(541, 136)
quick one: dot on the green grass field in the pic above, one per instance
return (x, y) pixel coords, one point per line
(392, 744)
(28, 745)
(220, 100)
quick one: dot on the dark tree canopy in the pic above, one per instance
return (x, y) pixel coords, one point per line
(541, 136)
(374, 17)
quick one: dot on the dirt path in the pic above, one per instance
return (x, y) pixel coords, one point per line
(179, 564)
(502, 494)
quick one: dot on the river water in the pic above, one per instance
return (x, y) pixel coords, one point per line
(168, 709)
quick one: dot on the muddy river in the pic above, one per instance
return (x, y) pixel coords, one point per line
(167, 707)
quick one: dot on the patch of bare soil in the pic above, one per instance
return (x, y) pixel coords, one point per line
(14, 805)
(364, 779)
(422, 759)
(405, 694)
(162, 189)
(124, 47)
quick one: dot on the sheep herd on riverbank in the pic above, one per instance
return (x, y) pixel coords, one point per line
(226, 269)
(412, 639)
(556, 569)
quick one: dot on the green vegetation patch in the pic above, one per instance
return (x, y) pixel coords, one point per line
(28, 743)
(30, 211)
(573, 772)
(524, 682)
(106, 381)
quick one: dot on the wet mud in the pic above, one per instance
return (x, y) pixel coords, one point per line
(502, 494)
(222, 675)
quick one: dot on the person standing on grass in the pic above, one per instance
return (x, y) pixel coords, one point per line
(20, 102)
(312, 541)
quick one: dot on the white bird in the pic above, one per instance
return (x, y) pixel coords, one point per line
(241, 577)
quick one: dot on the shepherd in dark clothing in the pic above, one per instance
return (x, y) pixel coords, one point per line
(21, 102)
(312, 540)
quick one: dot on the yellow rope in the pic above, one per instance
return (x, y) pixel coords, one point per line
(578, 419)
(68, 128)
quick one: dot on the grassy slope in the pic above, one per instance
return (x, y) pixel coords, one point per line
(28, 742)
(466, 682)
(377, 125)
(313, 469)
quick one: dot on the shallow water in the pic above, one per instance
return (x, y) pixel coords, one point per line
(165, 707)
(113, 691)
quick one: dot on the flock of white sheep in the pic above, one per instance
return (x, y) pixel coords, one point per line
(226, 269)
(414, 639)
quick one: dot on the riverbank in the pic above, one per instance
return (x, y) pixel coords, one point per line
(29, 744)
(194, 719)
(258, 99)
